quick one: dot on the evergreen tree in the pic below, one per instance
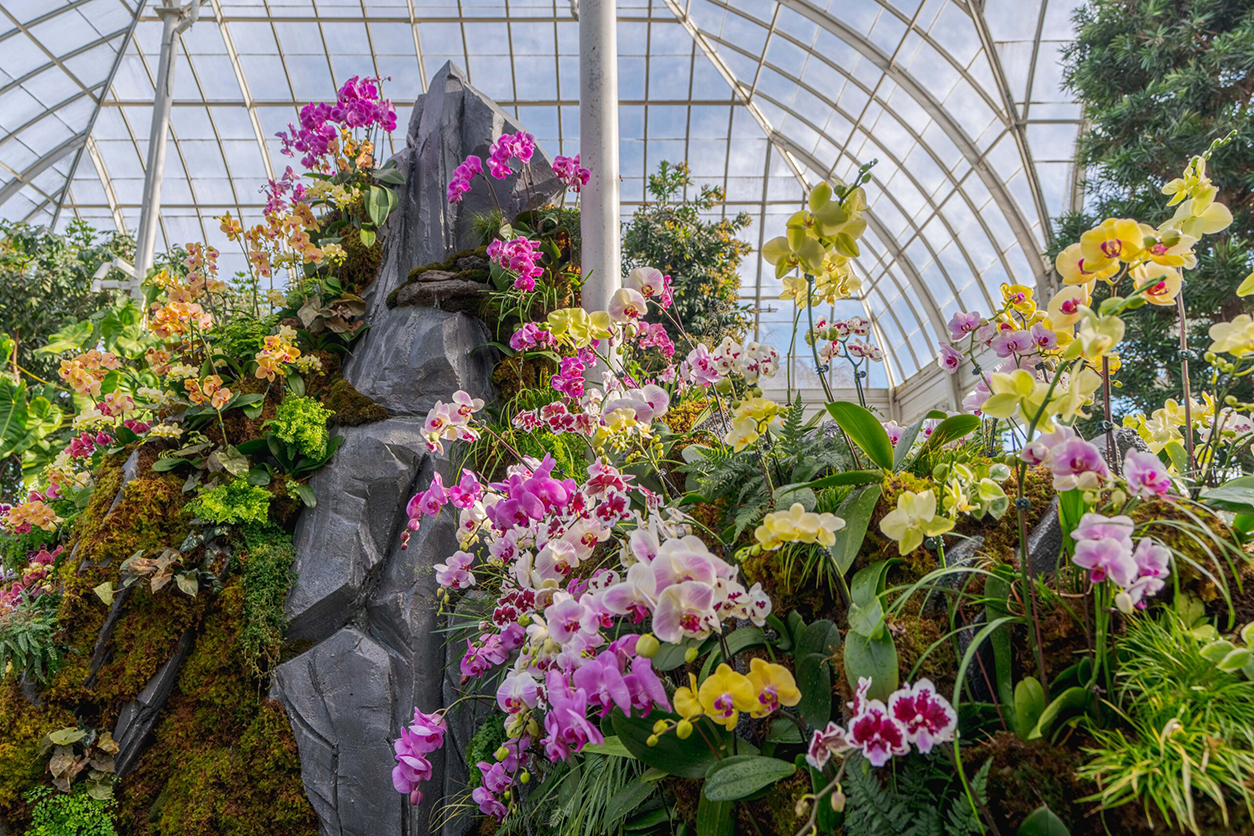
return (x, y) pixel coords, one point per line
(701, 256)
(1160, 80)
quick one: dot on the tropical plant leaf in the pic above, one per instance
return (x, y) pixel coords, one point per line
(865, 430)
(740, 776)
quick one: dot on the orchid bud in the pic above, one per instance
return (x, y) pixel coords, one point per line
(502, 753)
(652, 740)
(683, 730)
(838, 801)
(690, 655)
(1123, 601)
(659, 727)
(647, 646)
(524, 777)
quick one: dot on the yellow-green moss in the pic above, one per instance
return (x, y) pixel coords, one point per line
(350, 407)
(224, 760)
(24, 727)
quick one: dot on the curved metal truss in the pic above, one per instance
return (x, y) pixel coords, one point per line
(958, 101)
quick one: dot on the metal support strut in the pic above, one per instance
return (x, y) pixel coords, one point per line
(176, 20)
(598, 147)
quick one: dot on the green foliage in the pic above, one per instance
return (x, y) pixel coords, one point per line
(483, 743)
(798, 455)
(924, 796)
(302, 422)
(1159, 81)
(596, 796)
(242, 337)
(28, 639)
(700, 256)
(1177, 704)
(231, 502)
(77, 814)
(267, 579)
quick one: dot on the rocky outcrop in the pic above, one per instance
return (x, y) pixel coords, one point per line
(412, 356)
(366, 606)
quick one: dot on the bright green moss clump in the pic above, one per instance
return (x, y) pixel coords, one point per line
(232, 502)
(302, 423)
(267, 579)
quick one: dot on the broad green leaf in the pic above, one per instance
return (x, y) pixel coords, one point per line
(865, 430)
(737, 777)
(686, 758)
(814, 679)
(997, 592)
(849, 477)
(856, 511)
(951, 429)
(867, 619)
(902, 448)
(612, 746)
(1042, 822)
(390, 176)
(70, 338)
(14, 417)
(1236, 495)
(1029, 705)
(868, 583)
(377, 204)
(671, 656)
(367, 237)
(715, 818)
(873, 658)
(307, 496)
(1075, 697)
(188, 582)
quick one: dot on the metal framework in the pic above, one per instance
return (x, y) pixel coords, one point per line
(958, 101)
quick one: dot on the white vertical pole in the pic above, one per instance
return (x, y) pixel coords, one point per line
(174, 21)
(598, 148)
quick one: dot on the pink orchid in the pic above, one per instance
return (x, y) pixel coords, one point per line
(877, 734)
(823, 744)
(926, 716)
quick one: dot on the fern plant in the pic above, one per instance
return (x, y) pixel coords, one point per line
(923, 797)
(750, 483)
(28, 638)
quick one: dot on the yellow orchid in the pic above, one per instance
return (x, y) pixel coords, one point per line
(774, 687)
(794, 250)
(1113, 240)
(1009, 390)
(1067, 404)
(1235, 337)
(725, 694)
(913, 519)
(1095, 336)
(578, 327)
(1169, 247)
(1162, 283)
(1214, 218)
(1075, 270)
(797, 525)
(687, 704)
(1019, 298)
(1064, 308)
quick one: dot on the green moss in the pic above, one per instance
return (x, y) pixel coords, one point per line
(351, 408)
(231, 502)
(267, 579)
(302, 422)
(361, 263)
(24, 727)
(224, 760)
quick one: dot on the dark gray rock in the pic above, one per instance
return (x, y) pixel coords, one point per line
(138, 717)
(449, 122)
(1045, 542)
(341, 545)
(368, 605)
(341, 700)
(434, 276)
(439, 294)
(411, 357)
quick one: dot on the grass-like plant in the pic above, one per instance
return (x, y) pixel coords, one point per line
(1190, 729)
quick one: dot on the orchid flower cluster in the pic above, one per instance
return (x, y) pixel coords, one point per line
(35, 580)
(915, 716)
(1104, 547)
(359, 104)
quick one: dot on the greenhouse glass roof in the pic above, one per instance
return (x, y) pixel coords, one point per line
(959, 101)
